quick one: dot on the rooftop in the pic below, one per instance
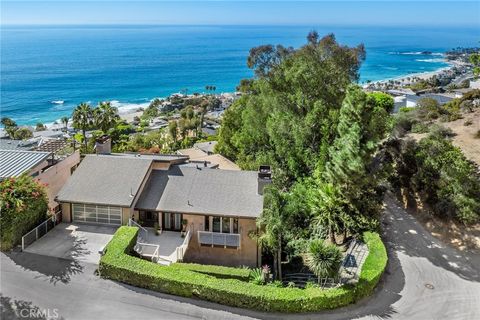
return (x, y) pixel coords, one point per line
(106, 179)
(207, 147)
(16, 162)
(202, 191)
(11, 144)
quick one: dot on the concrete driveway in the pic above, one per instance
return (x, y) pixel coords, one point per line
(74, 241)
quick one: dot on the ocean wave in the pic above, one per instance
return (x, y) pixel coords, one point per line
(58, 101)
(127, 107)
(417, 53)
(430, 60)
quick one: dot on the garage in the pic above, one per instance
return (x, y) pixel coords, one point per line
(97, 214)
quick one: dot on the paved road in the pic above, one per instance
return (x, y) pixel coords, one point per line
(424, 280)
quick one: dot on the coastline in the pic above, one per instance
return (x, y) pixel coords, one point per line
(128, 111)
(421, 75)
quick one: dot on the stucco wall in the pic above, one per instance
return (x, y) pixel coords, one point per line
(246, 255)
(66, 212)
(161, 165)
(57, 175)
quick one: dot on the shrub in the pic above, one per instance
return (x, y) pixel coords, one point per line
(182, 280)
(420, 128)
(323, 259)
(23, 204)
(468, 122)
(442, 131)
(447, 179)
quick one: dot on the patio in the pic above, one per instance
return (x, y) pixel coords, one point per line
(168, 241)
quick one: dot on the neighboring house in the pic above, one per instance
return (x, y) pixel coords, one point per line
(218, 207)
(51, 134)
(207, 147)
(412, 100)
(201, 155)
(44, 166)
(11, 144)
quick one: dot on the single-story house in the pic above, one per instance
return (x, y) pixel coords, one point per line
(218, 207)
(44, 166)
(412, 99)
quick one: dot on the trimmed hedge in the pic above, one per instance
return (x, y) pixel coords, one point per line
(213, 284)
(242, 274)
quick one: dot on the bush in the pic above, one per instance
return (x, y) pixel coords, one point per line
(192, 281)
(23, 204)
(420, 128)
(468, 122)
(448, 180)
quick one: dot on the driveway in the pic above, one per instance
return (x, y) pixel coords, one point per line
(424, 280)
(80, 242)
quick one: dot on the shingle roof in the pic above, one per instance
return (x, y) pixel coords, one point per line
(15, 162)
(106, 179)
(202, 191)
(53, 145)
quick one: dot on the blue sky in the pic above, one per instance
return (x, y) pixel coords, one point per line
(386, 12)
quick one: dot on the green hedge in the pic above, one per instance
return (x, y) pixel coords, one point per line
(216, 271)
(211, 282)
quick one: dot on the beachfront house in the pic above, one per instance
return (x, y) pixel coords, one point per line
(209, 212)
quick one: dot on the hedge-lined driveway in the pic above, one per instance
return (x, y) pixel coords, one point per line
(424, 280)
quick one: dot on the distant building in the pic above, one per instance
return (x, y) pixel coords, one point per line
(412, 100)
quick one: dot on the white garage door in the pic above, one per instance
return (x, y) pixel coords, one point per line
(97, 214)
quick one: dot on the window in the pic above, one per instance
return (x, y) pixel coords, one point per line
(216, 224)
(225, 225)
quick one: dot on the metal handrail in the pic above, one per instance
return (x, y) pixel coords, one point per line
(135, 224)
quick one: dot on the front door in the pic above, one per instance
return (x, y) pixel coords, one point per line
(148, 218)
(172, 221)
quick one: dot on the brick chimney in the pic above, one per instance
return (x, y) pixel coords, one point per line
(264, 178)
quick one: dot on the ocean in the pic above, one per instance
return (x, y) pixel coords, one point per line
(47, 70)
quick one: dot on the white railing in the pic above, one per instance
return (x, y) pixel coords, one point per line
(180, 251)
(132, 223)
(40, 230)
(219, 239)
(148, 250)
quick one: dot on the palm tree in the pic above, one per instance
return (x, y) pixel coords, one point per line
(323, 259)
(82, 120)
(327, 205)
(105, 116)
(65, 122)
(273, 227)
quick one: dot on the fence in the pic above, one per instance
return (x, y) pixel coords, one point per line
(41, 230)
(180, 251)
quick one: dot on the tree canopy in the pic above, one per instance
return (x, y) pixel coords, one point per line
(304, 115)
